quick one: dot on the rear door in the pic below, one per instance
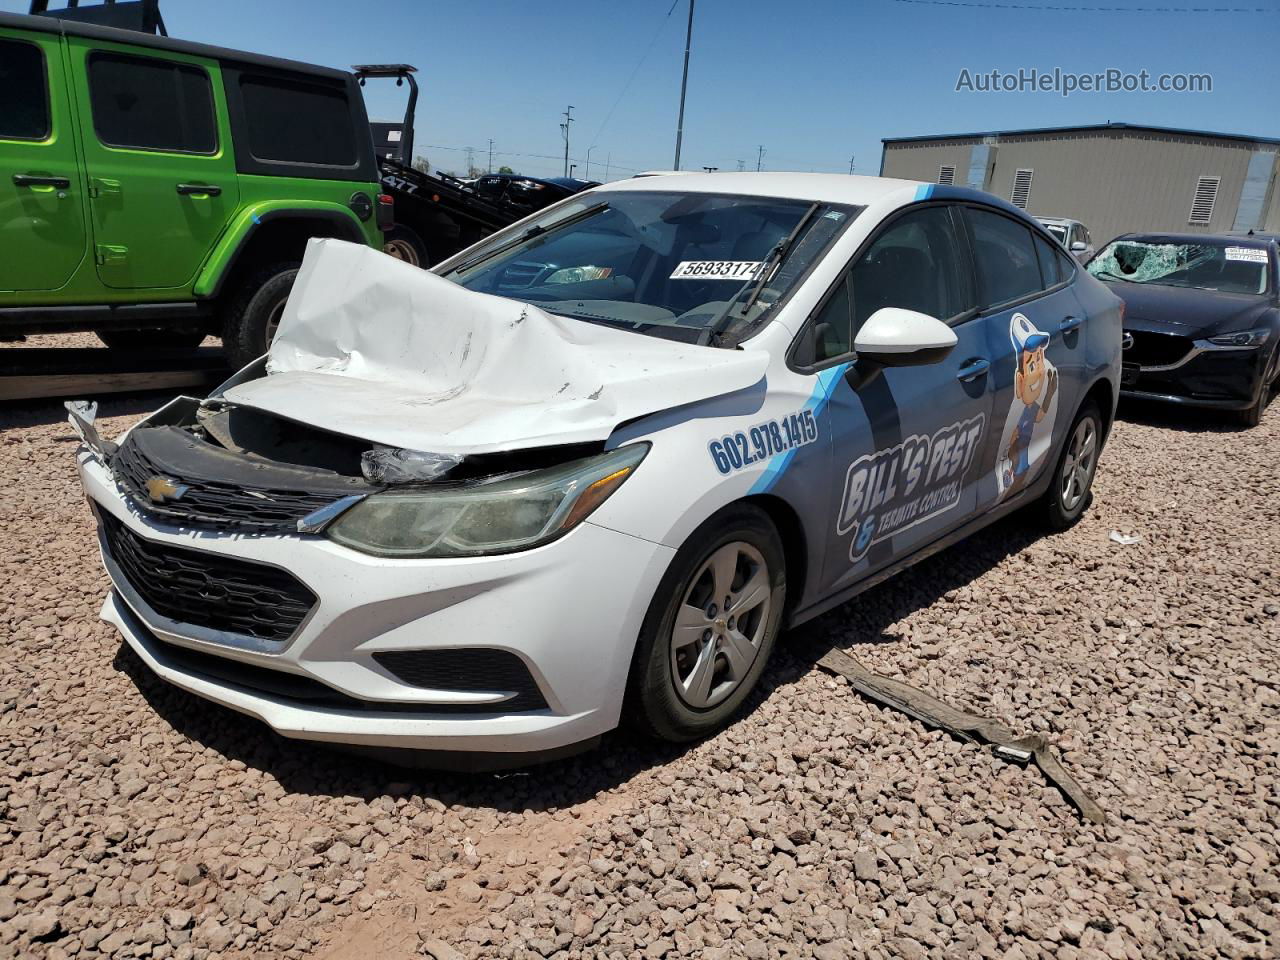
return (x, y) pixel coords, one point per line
(162, 176)
(1035, 330)
(42, 233)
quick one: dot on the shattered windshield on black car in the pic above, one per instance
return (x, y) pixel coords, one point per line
(1223, 267)
(674, 265)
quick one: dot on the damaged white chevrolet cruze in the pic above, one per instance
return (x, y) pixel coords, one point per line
(589, 469)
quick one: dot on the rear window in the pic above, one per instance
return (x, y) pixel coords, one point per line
(1006, 256)
(296, 122)
(24, 95)
(149, 104)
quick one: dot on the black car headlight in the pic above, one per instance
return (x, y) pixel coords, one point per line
(1243, 339)
(502, 516)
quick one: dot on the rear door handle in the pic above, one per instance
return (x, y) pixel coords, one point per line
(1068, 324)
(973, 370)
(190, 189)
(33, 180)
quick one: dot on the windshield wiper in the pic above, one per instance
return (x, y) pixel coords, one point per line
(535, 231)
(717, 329)
(1108, 273)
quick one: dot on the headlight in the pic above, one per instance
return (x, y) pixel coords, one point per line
(1245, 338)
(502, 516)
(579, 274)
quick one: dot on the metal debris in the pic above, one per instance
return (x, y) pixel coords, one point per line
(1124, 539)
(932, 712)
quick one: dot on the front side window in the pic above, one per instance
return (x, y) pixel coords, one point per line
(148, 104)
(296, 122)
(1005, 255)
(1221, 266)
(708, 268)
(24, 94)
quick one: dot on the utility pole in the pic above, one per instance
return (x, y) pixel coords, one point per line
(851, 159)
(608, 160)
(491, 154)
(572, 167)
(587, 174)
(564, 128)
(759, 157)
(471, 161)
(684, 85)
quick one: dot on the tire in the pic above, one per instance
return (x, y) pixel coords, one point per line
(668, 697)
(255, 312)
(403, 243)
(151, 339)
(1251, 416)
(1069, 496)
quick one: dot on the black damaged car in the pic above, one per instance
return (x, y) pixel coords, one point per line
(1202, 317)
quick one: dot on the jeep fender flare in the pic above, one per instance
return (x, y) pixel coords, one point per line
(222, 261)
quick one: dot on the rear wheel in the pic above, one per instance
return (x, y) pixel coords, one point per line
(403, 243)
(710, 628)
(151, 339)
(254, 316)
(1071, 491)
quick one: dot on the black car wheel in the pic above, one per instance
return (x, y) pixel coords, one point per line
(254, 315)
(1071, 490)
(1251, 416)
(710, 628)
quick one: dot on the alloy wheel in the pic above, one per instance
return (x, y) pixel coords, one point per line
(1077, 466)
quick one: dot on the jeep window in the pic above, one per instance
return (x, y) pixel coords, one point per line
(297, 122)
(674, 265)
(1006, 257)
(143, 103)
(1223, 266)
(24, 95)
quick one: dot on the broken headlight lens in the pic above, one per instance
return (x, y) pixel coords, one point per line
(515, 513)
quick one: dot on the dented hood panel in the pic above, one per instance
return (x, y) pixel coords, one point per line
(381, 350)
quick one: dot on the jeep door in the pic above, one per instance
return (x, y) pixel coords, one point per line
(162, 175)
(1034, 324)
(905, 440)
(42, 232)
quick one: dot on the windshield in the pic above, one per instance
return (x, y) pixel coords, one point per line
(1058, 232)
(1205, 266)
(674, 265)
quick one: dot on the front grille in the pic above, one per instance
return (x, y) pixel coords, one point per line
(209, 503)
(208, 590)
(1151, 349)
(469, 670)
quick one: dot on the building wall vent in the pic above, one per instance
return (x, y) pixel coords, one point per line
(1202, 203)
(947, 174)
(1021, 188)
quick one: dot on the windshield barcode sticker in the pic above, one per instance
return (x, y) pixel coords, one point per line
(717, 270)
(1247, 254)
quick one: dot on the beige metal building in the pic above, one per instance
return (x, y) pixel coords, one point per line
(1114, 177)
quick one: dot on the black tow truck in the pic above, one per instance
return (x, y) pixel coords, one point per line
(436, 215)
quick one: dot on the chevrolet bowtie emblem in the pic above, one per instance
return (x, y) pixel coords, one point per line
(162, 489)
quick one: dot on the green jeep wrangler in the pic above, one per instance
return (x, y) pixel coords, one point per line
(155, 191)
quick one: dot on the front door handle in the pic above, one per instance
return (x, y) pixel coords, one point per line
(35, 180)
(1068, 324)
(197, 189)
(973, 370)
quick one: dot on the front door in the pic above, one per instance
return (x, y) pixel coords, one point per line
(42, 234)
(162, 174)
(905, 439)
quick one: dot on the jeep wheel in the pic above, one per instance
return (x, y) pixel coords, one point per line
(151, 339)
(404, 244)
(255, 312)
(710, 628)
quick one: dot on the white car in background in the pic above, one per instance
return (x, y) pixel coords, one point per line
(1072, 234)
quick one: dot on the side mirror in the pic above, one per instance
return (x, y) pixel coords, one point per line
(1079, 246)
(893, 337)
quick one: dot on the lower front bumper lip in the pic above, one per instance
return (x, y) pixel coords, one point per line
(1225, 404)
(529, 733)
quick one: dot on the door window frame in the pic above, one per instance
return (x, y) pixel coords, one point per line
(968, 278)
(48, 94)
(985, 309)
(92, 53)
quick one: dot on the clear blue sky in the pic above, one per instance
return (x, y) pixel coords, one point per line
(814, 81)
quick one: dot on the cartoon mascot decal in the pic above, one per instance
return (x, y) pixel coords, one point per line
(1028, 431)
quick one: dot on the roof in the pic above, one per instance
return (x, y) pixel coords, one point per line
(830, 187)
(72, 28)
(1084, 128)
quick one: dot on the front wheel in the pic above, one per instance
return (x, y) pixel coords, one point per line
(1071, 491)
(254, 315)
(710, 628)
(1251, 416)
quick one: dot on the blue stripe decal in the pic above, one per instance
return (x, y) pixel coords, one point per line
(924, 192)
(817, 402)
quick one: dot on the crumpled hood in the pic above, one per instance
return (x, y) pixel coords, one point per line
(373, 348)
(1186, 311)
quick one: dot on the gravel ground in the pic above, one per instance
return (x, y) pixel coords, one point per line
(136, 821)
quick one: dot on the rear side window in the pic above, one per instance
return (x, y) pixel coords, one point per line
(149, 104)
(1050, 268)
(1005, 255)
(296, 122)
(24, 95)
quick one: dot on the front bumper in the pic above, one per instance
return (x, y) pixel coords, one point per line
(571, 611)
(1220, 378)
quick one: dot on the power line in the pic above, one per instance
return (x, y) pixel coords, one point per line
(634, 70)
(1064, 8)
